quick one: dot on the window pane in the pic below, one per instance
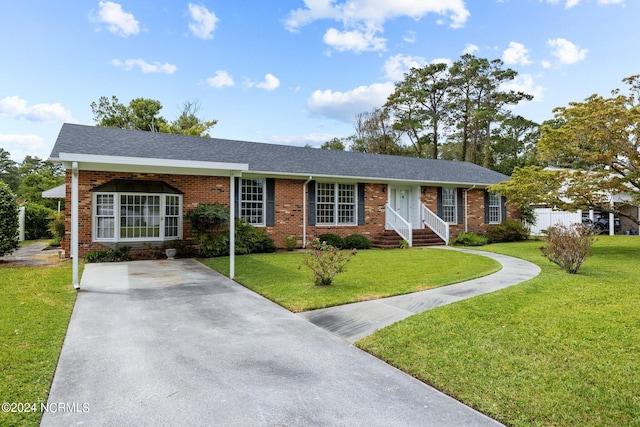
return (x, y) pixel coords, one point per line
(449, 204)
(172, 216)
(252, 201)
(494, 208)
(325, 203)
(346, 204)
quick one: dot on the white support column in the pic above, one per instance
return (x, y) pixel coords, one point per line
(612, 225)
(74, 223)
(232, 224)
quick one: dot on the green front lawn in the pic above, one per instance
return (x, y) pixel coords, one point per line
(371, 274)
(35, 308)
(557, 350)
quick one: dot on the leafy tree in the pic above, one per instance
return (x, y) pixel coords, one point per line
(514, 144)
(144, 114)
(8, 220)
(375, 133)
(32, 186)
(478, 104)
(9, 170)
(419, 106)
(601, 136)
(334, 144)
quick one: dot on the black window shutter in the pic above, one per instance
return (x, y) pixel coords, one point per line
(236, 197)
(460, 206)
(486, 207)
(361, 203)
(271, 202)
(440, 202)
(503, 206)
(312, 202)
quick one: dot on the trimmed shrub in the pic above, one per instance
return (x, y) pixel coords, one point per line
(568, 246)
(332, 240)
(470, 239)
(250, 239)
(120, 254)
(291, 242)
(37, 220)
(9, 222)
(357, 241)
(507, 231)
(57, 226)
(325, 261)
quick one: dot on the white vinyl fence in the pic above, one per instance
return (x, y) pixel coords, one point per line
(546, 217)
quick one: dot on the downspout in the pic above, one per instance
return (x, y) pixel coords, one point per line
(466, 208)
(304, 211)
(74, 224)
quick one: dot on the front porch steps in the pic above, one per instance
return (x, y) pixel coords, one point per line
(421, 237)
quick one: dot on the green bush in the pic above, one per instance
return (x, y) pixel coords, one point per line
(332, 240)
(507, 231)
(8, 220)
(250, 239)
(118, 255)
(291, 242)
(470, 239)
(325, 261)
(57, 226)
(357, 241)
(37, 219)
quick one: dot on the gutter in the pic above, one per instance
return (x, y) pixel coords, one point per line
(304, 211)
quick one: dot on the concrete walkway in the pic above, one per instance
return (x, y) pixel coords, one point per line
(173, 343)
(354, 321)
(33, 254)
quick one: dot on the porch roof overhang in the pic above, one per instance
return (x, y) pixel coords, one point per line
(149, 165)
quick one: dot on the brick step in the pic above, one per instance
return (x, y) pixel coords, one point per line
(422, 237)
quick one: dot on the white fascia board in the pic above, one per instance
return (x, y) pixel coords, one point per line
(380, 180)
(150, 165)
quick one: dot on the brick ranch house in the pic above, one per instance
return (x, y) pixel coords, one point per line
(129, 187)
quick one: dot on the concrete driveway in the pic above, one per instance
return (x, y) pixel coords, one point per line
(167, 343)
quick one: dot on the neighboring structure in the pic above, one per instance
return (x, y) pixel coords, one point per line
(130, 187)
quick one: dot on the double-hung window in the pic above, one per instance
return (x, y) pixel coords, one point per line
(129, 216)
(495, 208)
(449, 207)
(335, 204)
(252, 197)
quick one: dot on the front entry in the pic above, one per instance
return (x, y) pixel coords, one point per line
(400, 202)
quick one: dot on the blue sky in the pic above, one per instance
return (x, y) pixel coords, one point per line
(290, 71)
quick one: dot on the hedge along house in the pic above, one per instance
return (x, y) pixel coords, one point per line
(134, 188)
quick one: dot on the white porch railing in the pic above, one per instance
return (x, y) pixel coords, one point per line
(398, 224)
(436, 224)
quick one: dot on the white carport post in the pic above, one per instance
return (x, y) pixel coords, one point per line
(74, 223)
(232, 223)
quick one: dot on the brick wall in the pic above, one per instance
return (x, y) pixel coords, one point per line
(288, 206)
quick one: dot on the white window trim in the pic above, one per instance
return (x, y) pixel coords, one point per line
(495, 196)
(455, 204)
(336, 202)
(116, 218)
(264, 201)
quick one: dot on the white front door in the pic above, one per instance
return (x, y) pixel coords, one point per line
(401, 203)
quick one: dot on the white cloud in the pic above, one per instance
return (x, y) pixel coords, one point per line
(470, 49)
(525, 83)
(270, 83)
(409, 37)
(22, 145)
(565, 51)
(145, 67)
(356, 40)
(572, 3)
(220, 80)
(396, 66)
(203, 22)
(313, 139)
(344, 106)
(516, 53)
(375, 11)
(117, 20)
(16, 107)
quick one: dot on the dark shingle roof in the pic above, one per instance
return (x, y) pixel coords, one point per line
(267, 158)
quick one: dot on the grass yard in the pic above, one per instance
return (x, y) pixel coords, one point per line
(35, 307)
(371, 274)
(558, 350)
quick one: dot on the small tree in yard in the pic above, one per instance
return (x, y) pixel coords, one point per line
(568, 246)
(326, 262)
(8, 220)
